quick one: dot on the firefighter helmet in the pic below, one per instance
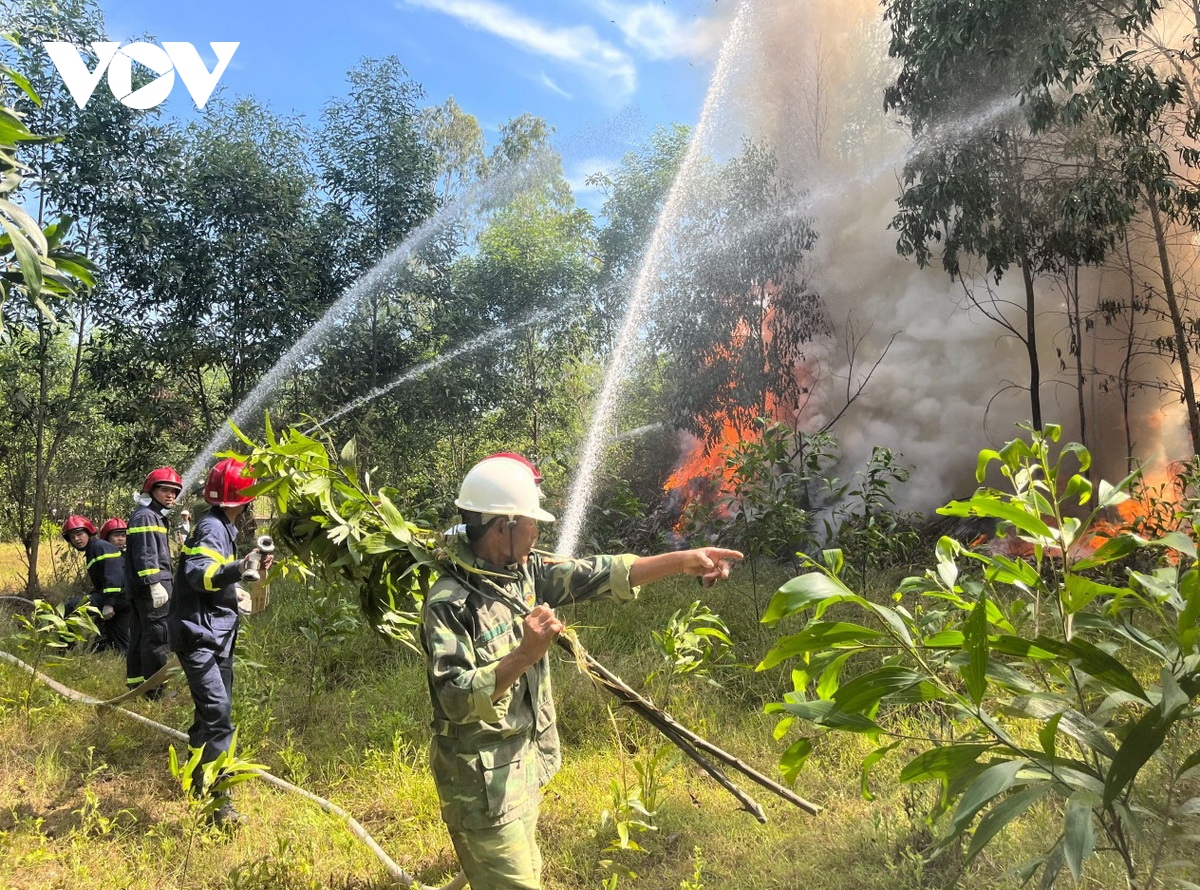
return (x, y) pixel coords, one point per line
(162, 476)
(113, 525)
(501, 487)
(512, 455)
(75, 522)
(226, 484)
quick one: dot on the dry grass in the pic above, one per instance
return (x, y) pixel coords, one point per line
(59, 567)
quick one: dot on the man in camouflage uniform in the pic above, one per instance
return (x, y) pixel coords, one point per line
(487, 626)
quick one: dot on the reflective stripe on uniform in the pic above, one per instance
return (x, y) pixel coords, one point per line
(102, 556)
(144, 572)
(218, 560)
(111, 590)
(145, 529)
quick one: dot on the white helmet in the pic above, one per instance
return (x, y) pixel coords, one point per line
(501, 486)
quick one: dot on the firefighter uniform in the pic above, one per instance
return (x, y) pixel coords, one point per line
(203, 626)
(106, 571)
(147, 562)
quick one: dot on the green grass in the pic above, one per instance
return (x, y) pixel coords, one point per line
(86, 798)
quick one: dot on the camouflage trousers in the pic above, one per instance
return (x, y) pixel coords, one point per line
(502, 857)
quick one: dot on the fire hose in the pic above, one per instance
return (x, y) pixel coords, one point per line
(352, 825)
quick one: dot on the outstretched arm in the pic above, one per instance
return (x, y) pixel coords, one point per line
(711, 564)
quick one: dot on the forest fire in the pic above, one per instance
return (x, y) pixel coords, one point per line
(1151, 512)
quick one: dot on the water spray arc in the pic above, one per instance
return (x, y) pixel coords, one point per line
(495, 189)
(485, 339)
(580, 493)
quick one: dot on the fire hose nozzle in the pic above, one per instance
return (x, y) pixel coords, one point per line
(265, 544)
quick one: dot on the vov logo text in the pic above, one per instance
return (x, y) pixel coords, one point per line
(117, 60)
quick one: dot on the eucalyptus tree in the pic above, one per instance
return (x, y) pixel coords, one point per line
(1059, 125)
(999, 175)
(381, 174)
(458, 146)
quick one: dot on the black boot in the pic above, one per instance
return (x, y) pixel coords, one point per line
(225, 816)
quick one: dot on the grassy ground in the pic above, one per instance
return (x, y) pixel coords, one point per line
(86, 798)
(58, 567)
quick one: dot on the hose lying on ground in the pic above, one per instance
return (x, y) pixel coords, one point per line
(352, 825)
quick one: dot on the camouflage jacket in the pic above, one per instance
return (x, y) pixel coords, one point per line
(490, 760)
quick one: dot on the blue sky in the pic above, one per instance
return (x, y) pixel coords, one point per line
(604, 73)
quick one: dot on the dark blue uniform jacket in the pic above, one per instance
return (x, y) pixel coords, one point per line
(147, 548)
(204, 611)
(106, 571)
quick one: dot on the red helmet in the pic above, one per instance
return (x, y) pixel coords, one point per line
(512, 455)
(113, 525)
(162, 476)
(226, 483)
(75, 522)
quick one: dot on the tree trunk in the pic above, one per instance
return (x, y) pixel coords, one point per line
(1125, 384)
(1075, 322)
(1035, 371)
(34, 541)
(1178, 324)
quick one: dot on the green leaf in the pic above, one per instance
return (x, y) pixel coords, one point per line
(868, 764)
(1096, 662)
(826, 713)
(1110, 551)
(986, 456)
(1001, 814)
(28, 260)
(817, 636)
(1047, 733)
(1109, 495)
(1018, 516)
(802, 593)
(1139, 746)
(943, 762)
(975, 644)
(993, 781)
(828, 684)
(1176, 541)
(1079, 832)
(1189, 764)
(866, 690)
(1081, 591)
(946, 568)
(1188, 624)
(792, 760)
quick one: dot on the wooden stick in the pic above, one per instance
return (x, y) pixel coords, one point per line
(651, 712)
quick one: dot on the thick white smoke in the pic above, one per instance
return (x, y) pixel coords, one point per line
(951, 381)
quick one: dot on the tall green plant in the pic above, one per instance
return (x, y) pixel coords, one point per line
(1059, 688)
(51, 631)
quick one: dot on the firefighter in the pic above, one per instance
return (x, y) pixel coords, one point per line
(204, 614)
(106, 571)
(114, 531)
(486, 630)
(148, 571)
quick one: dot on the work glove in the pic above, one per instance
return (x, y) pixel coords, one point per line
(158, 595)
(245, 603)
(107, 612)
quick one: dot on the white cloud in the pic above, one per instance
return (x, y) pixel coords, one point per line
(549, 84)
(578, 172)
(578, 46)
(658, 33)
